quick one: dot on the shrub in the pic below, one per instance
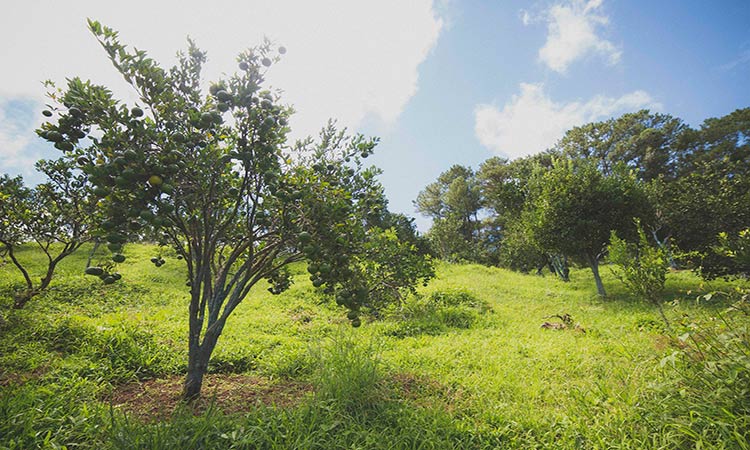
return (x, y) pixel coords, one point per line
(709, 398)
(349, 375)
(643, 267)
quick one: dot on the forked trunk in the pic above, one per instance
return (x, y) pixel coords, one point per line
(21, 298)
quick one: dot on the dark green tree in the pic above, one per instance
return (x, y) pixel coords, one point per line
(574, 208)
(712, 193)
(649, 143)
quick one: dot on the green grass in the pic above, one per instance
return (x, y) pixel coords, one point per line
(463, 365)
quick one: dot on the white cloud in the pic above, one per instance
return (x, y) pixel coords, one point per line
(346, 59)
(532, 122)
(16, 135)
(572, 29)
(526, 18)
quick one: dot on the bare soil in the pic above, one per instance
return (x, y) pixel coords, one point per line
(156, 400)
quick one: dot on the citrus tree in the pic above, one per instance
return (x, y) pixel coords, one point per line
(211, 176)
(574, 207)
(54, 216)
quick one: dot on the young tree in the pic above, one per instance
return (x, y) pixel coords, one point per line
(643, 267)
(575, 207)
(212, 176)
(56, 216)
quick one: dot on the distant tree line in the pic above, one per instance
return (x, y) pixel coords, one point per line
(687, 187)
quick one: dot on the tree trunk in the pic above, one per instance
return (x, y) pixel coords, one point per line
(664, 245)
(91, 254)
(21, 298)
(594, 263)
(198, 357)
(663, 316)
(197, 366)
(559, 266)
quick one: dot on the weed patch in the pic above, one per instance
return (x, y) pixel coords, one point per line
(435, 314)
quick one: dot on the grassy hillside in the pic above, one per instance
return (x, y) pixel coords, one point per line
(466, 364)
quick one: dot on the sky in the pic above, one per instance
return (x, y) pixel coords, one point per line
(440, 82)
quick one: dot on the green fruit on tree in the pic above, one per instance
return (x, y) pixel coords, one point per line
(244, 66)
(351, 315)
(64, 146)
(356, 322)
(146, 215)
(96, 271)
(266, 62)
(114, 247)
(109, 279)
(223, 107)
(78, 134)
(136, 112)
(223, 96)
(155, 180)
(118, 257)
(207, 118)
(47, 113)
(54, 136)
(116, 238)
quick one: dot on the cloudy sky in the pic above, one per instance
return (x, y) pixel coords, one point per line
(441, 82)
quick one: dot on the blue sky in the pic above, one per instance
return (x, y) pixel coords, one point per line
(442, 83)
